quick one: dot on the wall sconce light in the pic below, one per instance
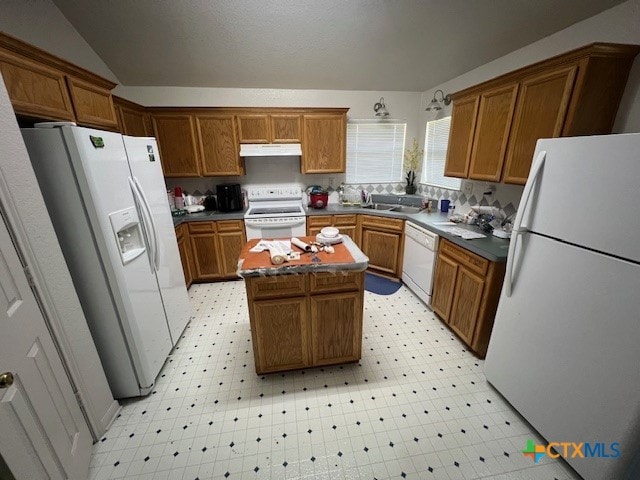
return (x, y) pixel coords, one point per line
(380, 108)
(434, 106)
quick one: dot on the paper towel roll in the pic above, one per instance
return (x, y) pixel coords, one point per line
(278, 256)
(300, 244)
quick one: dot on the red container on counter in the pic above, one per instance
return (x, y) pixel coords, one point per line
(318, 199)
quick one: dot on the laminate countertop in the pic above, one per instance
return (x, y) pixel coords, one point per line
(492, 248)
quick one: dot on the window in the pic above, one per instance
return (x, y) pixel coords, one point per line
(435, 153)
(375, 151)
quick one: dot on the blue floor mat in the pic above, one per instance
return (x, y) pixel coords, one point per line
(380, 285)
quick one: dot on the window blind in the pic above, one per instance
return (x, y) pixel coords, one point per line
(375, 151)
(436, 140)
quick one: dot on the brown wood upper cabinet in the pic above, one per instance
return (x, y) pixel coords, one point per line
(269, 128)
(43, 86)
(324, 147)
(218, 145)
(93, 104)
(463, 122)
(133, 119)
(492, 132)
(253, 128)
(177, 142)
(495, 125)
(540, 113)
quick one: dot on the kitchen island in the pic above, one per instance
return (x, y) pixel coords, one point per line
(305, 313)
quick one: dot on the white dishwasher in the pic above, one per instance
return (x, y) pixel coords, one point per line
(420, 249)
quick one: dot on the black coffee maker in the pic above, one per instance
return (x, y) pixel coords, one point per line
(229, 197)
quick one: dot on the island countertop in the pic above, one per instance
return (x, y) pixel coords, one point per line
(260, 263)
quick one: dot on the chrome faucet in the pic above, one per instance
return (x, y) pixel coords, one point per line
(368, 198)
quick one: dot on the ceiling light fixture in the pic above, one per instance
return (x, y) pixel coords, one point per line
(434, 106)
(380, 108)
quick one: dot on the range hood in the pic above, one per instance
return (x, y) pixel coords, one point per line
(270, 149)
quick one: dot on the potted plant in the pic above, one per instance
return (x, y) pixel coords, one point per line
(411, 162)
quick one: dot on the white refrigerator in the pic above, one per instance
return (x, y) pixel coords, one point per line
(107, 200)
(565, 346)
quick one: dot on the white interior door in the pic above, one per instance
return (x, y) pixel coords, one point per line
(44, 434)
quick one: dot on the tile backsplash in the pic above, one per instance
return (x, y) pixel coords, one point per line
(286, 171)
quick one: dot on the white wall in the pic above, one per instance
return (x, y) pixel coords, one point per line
(620, 24)
(40, 23)
(401, 105)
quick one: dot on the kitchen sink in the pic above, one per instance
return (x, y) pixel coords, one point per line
(405, 209)
(393, 208)
(380, 206)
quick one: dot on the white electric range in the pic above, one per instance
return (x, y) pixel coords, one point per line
(275, 211)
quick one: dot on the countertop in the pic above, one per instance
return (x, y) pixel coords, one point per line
(359, 264)
(492, 248)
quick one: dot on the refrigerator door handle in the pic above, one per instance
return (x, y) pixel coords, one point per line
(538, 163)
(139, 202)
(154, 229)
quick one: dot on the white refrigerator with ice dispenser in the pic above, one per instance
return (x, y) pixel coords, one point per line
(107, 200)
(565, 346)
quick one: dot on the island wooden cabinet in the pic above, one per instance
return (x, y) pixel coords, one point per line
(176, 136)
(299, 321)
(495, 125)
(324, 144)
(336, 327)
(133, 119)
(45, 87)
(466, 292)
(215, 248)
(347, 224)
(186, 257)
(382, 240)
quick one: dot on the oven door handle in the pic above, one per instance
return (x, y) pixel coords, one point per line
(267, 225)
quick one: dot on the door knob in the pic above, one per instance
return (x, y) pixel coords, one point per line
(6, 379)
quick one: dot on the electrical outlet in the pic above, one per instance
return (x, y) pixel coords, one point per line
(467, 189)
(331, 179)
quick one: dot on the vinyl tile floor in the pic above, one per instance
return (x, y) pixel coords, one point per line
(416, 406)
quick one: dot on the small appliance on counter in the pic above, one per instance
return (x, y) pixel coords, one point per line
(210, 203)
(318, 197)
(229, 197)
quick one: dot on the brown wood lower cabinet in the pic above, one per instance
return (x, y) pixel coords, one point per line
(210, 250)
(347, 224)
(382, 240)
(466, 292)
(300, 321)
(184, 247)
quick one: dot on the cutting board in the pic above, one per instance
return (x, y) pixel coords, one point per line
(254, 260)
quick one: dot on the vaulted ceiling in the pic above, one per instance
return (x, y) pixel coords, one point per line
(404, 45)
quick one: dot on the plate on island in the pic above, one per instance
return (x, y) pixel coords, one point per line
(328, 240)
